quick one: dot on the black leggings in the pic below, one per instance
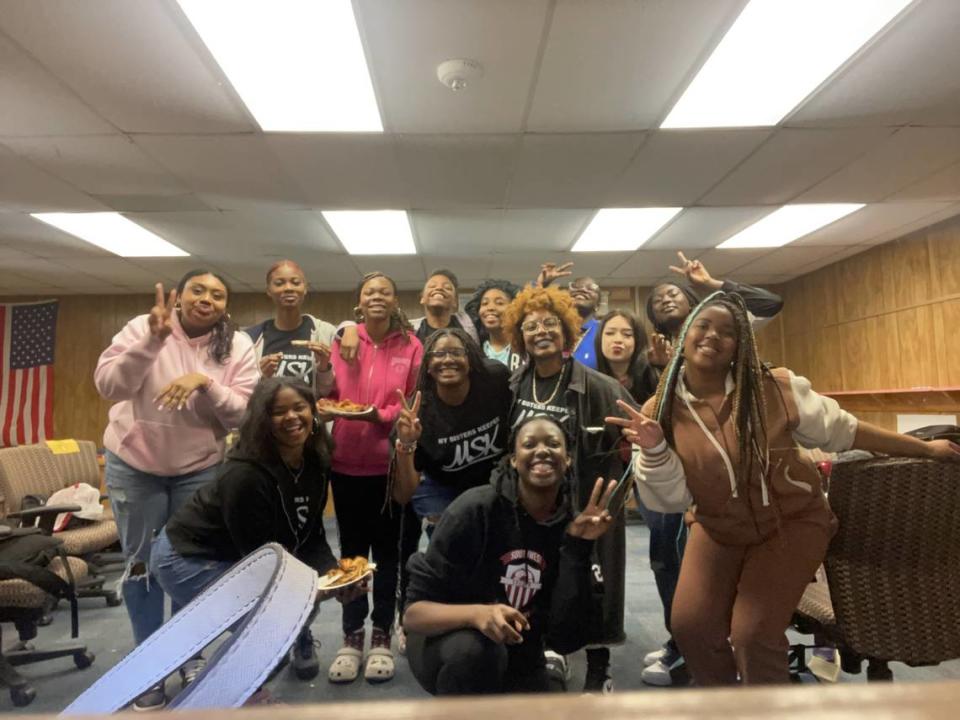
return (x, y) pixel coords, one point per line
(366, 526)
(466, 662)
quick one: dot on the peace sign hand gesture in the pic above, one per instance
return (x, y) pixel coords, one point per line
(695, 273)
(159, 318)
(409, 428)
(550, 272)
(594, 519)
(637, 428)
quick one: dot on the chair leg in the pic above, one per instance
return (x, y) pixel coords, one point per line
(21, 694)
(797, 659)
(879, 671)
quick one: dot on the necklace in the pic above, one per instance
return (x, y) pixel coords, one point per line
(295, 474)
(553, 394)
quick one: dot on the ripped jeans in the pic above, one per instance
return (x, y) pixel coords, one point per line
(142, 503)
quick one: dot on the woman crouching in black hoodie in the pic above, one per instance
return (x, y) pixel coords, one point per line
(507, 569)
(272, 488)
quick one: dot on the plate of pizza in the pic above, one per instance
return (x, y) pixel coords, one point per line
(349, 571)
(344, 408)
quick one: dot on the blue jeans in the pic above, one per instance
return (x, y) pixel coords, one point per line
(668, 537)
(142, 503)
(430, 499)
(183, 577)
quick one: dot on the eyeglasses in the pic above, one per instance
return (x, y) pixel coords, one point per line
(548, 323)
(590, 287)
(449, 352)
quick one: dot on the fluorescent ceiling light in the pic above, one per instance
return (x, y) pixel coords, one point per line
(372, 232)
(788, 224)
(298, 65)
(113, 232)
(776, 54)
(623, 229)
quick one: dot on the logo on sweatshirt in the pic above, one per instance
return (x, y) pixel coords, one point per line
(521, 577)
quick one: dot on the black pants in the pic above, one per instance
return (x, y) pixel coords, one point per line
(466, 662)
(366, 526)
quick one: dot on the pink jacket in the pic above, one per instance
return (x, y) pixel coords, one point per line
(363, 448)
(137, 366)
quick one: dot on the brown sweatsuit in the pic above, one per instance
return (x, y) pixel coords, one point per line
(753, 546)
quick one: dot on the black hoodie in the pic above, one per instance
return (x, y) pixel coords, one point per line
(487, 549)
(251, 503)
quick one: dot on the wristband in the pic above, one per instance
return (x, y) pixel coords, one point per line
(406, 448)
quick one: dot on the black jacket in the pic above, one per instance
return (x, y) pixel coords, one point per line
(252, 503)
(592, 396)
(487, 549)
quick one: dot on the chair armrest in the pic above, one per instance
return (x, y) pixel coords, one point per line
(46, 513)
(7, 531)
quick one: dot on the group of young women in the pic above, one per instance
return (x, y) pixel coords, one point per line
(516, 456)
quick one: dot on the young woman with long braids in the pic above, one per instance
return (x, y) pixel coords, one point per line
(369, 521)
(180, 378)
(621, 352)
(293, 343)
(508, 570)
(544, 324)
(722, 439)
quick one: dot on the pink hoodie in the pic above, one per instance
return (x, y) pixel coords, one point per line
(363, 448)
(133, 371)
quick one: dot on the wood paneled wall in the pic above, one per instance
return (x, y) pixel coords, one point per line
(884, 319)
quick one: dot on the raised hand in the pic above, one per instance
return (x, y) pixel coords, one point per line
(637, 427)
(944, 450)
(551, 272)
(501, 623)
(159, 319)
(409, 427)
(695, 273)
(660, 351)
(349, 344)
(270, 363)
(594, 519)
(321, 354)
(175, 395)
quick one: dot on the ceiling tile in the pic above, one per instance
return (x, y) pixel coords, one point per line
(910, 75)
(107, 164)
(235, 234)
(140, 65)
(618, 64)
(726, 264)
(456, 171)
(565, 170)
(705, 227)
(646, 266)
(676, 167)
(868, 222)
(407, 271)
(479, 232)
(26, 188)
(788, 260)
(943, 185)
(342, 170)
(792, 161)
(35, 102)
(230, 172)
(905, 157)
(522, 267)
(405, 41)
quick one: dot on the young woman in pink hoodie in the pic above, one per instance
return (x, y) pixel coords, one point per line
(180, 378)
(388, 359)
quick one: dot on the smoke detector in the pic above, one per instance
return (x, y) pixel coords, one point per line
(457, 74)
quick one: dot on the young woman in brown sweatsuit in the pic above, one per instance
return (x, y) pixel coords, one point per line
(722, 439)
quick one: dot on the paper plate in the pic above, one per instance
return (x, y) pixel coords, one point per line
(325, 583)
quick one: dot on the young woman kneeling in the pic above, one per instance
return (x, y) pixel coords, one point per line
(272, 488)
(508, 568)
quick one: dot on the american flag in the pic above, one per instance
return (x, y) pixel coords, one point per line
(27, 334)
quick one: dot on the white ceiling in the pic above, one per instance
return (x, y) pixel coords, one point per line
(112, 104)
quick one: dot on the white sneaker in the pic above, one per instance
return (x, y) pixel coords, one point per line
(651, 657)
(661, 672)
(557, 666)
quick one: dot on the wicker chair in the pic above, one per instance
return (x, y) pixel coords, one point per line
(893, 569)
(33, 470)
(25, 605)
